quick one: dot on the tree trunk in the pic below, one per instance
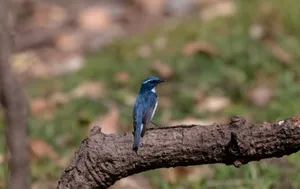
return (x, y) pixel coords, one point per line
(15, 109)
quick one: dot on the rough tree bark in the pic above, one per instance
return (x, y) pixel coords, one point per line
(15, 109)
(103, 159)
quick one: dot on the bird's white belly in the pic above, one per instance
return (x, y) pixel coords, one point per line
(154, 109)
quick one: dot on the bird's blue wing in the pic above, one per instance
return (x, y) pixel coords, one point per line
(137, 112)
(137, 121)
(150, 108)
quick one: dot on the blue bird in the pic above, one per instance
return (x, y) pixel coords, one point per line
(144, 108)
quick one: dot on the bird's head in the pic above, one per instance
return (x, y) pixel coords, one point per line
(150, 83)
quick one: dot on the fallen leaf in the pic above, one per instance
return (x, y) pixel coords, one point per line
(279, 53)
(48, 14)
(160, 43)
(58, 98)
(40, 71)
(257, 31)
(209, 2)
(129, 99)
(68, 63)
(144, 51)
(41, 107)
(65, 160)
(109, 123)
(69, 41)
(198, 47)
(90, 89)
(122, 77)
(180, 7)
(133, 182)
(222, 8)
(192, 121)
(56, 62)
(40, 149)
(25, 62)
(193, 174)
(94, 18)
(1, 158)
(153, 7)
(45, 184)
(164, 70)
(213, 104)
(260, 95)
(199, 96)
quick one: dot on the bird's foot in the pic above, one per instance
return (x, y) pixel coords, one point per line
(154, 124)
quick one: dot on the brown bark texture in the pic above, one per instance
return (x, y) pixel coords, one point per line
(103, 159)
(15, 108)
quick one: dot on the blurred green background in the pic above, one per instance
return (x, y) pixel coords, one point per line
(244, 64)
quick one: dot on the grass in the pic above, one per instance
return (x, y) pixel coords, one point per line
(241, 62)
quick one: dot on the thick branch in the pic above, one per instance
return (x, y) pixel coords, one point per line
(103, 159)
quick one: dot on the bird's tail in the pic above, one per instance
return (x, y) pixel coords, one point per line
(137, 137)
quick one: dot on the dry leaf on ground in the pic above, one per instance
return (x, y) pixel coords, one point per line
(133, 182)
(95, 18)
(191, 121)
(1, 158)
(65, 160)
(153, 7)
(198, 47)
(38, 105)
(27, 62)
(195, 173)
(67, 63)
(222, 8)
(122, 77)
(279, 53)
(129, 99)
(40, 149)
(58, 98)
(164, 70)
(160, 43)
(258, 31)
(144, 51)
(41, 107)
(90, 89)
(213, 104)
(48, 184)
(48, 14)
(181, 7)
(260, 95)
(109, 122)
(69, 41)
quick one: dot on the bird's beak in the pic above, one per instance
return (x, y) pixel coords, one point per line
(161, 81)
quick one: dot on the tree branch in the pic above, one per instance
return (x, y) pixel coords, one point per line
(37, 37)
(103, 159)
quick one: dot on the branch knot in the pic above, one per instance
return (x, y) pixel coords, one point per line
(235, 150)
(237, 121)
